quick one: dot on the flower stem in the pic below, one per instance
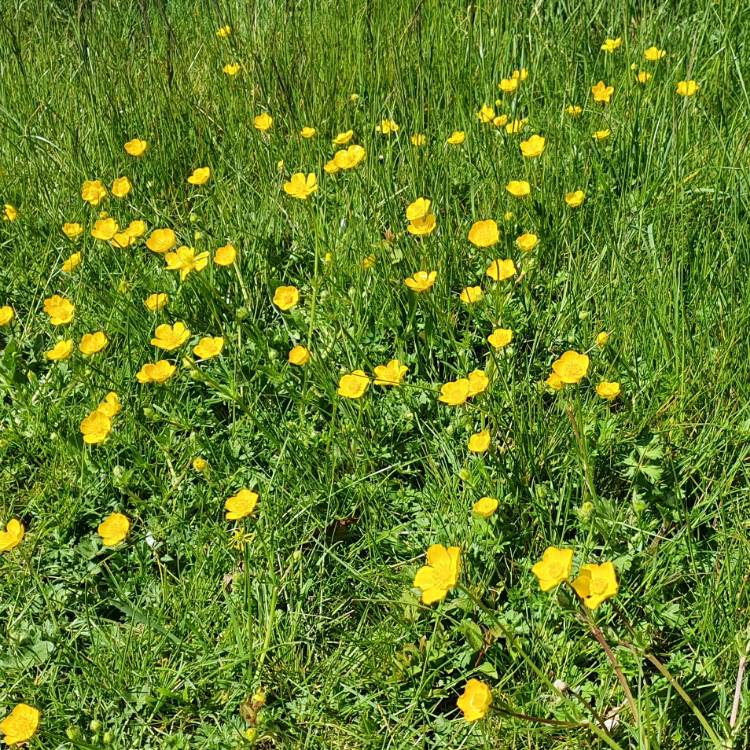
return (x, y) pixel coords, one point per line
(681, 692)
(597, 633)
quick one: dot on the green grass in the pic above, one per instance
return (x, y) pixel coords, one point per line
(163, 638)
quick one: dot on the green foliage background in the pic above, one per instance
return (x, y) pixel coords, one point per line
(163, 639)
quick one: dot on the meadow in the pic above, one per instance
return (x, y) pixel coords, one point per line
(374, 374)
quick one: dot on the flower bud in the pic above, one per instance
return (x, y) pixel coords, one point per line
(73, 733)
(585, 511)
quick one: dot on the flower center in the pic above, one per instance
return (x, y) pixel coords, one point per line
(598, 586)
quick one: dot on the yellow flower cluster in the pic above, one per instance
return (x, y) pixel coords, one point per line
(96, 427)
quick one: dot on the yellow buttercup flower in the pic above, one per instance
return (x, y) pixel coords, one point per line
(110, 406)
(554, 382)
(500, 120)
(514, 127)
(533, 146)
(471, 294)
(224, 31)
(96, 427)
(232, 69)
(500, 338)
(200, 176)
(186, 261)
(93, 192)
(105, 229)
(440, 574)
(156, 301)
(71, 263)
(485, 507)
(602, 339)
(475, 700)
(10, 537)
(20, 724)
(455, 392)
(308, 132)
(158, 372)
(456, 138)
(113, 529)
(602, 93)
(518, 188)
(386, 127)
(479, 442)
(330, 167)
(353, 385)
(508, 85)
(418, 209)
(602, 135)
(121, 240)
(422, 226)
(301, 186)
(596, 583)
(574, 110)
(349, 158)
(391, 374)
(688, 88)
(575, 198)
(643, 76)
(421, 281)
(161, 240)
(654, 54)
(209, 347)
(241, 505)
(121, 187)
(225, 255)
(608, 390)
(553, 568)
(610, 45)
(136, 147)
(59, 309)
(60, 351)
(199, 464)
(286, 297)
(72, 230)
(418, 139)
(342, 139)
(91, 343)
(263, 122)
(486, 114)
(170, 337)
(136, 229)
(527, 242)
(7, 313)
(478, 382)
(299, 355)
(484, 233)
(571, 367)
(10, 212)
(500, 270)
(368, 261)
